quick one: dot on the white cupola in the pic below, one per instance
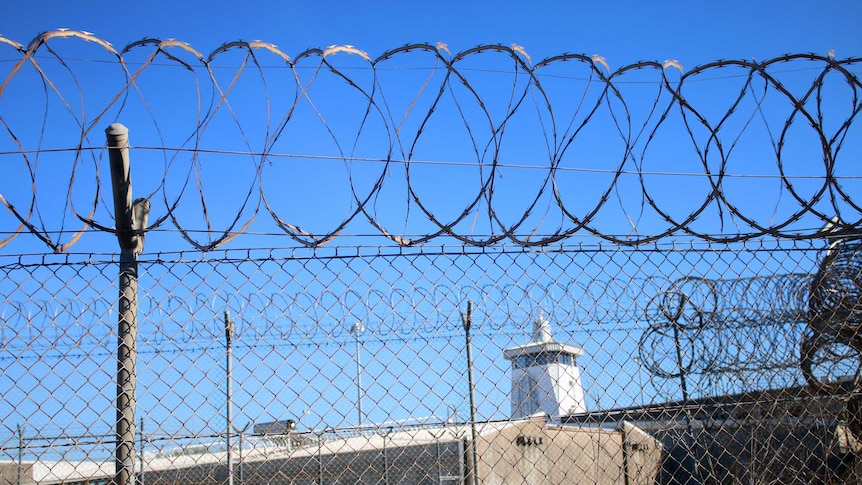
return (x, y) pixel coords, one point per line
(545, 375)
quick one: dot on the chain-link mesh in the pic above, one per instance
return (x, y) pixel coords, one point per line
(713, 336)
(689, 361)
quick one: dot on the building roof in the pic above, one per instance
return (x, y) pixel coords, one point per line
(267, 447)
(543, 341)
(537, 347)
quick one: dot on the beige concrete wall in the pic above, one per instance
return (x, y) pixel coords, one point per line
(529, 452)
(643, 454)
(534, 453)
(9, 473)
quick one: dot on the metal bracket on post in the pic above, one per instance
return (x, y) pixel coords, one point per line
(131, 220)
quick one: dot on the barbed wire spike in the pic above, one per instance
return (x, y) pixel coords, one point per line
(658, 219)
(520, 50)
(672, 63)
(171, 42)
(16, 45)
(347, 49)
(601, 60)
(259, 44)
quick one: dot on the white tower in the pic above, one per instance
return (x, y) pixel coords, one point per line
(545, 376)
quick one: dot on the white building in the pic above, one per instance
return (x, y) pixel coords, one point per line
(545, 376)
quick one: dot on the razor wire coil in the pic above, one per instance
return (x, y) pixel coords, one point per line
(485, 119)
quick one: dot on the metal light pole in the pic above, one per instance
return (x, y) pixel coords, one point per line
(305, 413)
(228, 335)
(357, 329)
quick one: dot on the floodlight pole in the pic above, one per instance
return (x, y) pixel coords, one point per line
(131, 220)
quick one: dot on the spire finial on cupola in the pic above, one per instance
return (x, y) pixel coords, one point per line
(542, 329)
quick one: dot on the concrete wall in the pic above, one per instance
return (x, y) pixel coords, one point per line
(9, 473)
(532, 452)
(524, 452)
(769, 451)
(529, 452)
(420, 464)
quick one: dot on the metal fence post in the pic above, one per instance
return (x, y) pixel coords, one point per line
(228, 335)
(241, 464)
(356, 330)
(20, 452)
(130, 237)
(320, 458)
(141, 452)
(467, 321)
(385, 460)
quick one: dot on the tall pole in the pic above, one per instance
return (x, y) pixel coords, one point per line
(467, 321)
(357, 329)
(673, 318)
(320, 458)
(20, 452)
(228, 335)
(131, 219)
(680, 363)
(385, 460)
(241, 464)
(141, 452)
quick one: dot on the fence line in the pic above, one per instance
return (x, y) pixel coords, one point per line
(294, 355)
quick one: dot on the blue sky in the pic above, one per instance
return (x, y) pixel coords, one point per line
(623, 33)
(693, 32)
(690, 32)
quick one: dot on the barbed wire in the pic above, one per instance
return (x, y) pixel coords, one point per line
(762, 325)
(440, 163)
(565, 113)
(713, 327)
(831, 350)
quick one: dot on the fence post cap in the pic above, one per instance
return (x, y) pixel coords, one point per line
(116, 129)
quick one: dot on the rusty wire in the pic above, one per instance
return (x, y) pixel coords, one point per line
(831, 351)
(565, 98)
(725, 327)
(708, 329)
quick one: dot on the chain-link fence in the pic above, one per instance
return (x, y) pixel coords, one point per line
(499, 271)
(353, 368)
